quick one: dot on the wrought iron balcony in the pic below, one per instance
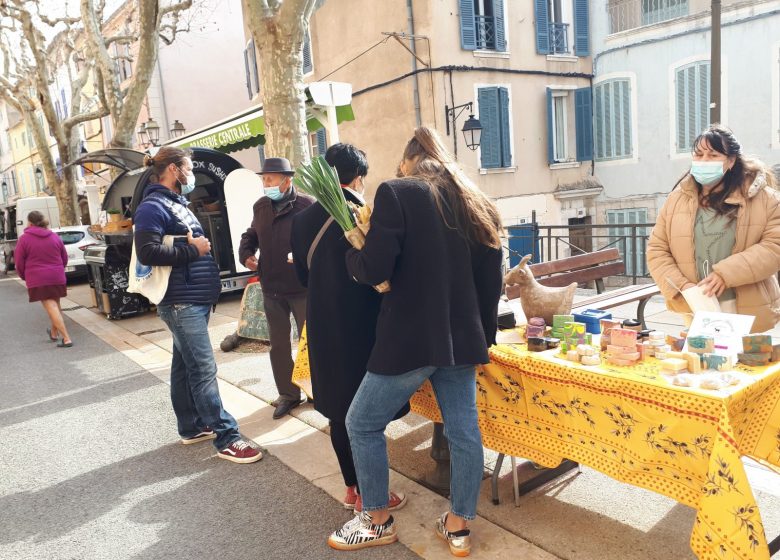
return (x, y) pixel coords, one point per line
(559, 38)
(630, 14)
(486, 32)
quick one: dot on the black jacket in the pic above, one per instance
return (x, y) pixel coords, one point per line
(340, 313)
(443, 305)
(270, 233)
(194, 278)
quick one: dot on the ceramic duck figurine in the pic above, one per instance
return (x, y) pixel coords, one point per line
(538, 300)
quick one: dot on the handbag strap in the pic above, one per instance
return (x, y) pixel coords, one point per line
(317, 240)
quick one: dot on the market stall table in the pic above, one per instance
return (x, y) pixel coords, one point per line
(633, 425)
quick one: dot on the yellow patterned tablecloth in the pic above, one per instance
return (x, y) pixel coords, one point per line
(633, 425)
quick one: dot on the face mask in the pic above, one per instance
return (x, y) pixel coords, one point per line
(274, 193)
(189, 186)
(707, 172)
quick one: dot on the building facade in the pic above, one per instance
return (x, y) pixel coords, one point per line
(651, 94)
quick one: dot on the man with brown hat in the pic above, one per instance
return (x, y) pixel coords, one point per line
(282, 291)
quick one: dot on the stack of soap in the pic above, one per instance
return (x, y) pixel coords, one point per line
(558, 322)
(589, 356)
(606, 328)
(673, 365)
(574, 334)
(622, 348)
(675, 342)
(756, 350)
(656, 340)
(592, 318)
(535, 327)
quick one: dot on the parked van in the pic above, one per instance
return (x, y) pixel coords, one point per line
(15, 220)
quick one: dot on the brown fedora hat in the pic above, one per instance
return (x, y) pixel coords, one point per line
(277, 165)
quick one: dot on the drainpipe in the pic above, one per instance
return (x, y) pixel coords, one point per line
(410, 18)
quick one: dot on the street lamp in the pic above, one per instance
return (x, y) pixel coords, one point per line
(38, 177)
(177, 130)
(472, 128)
(148, 133)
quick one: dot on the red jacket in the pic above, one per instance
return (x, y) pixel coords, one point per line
(40, 257)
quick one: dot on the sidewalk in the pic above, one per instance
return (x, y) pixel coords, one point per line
(578, 517)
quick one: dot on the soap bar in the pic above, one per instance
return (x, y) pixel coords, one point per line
(620, 361)
(590, 360)
(657, 335)
(776, 352)
(701, 344)
(754, 358)
(586, 350)
(716, 361)
(630, 356)
(674, 364)
(606, 328)
(623, 337)
(617, 350)
(675, 342)
(560, 320)
(694, 362)
(757, 344)
(572, 356)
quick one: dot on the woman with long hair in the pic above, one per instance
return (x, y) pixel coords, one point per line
(437, 239)
(41, 259)
(720, 229)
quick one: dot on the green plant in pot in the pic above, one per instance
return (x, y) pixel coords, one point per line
(114, 215)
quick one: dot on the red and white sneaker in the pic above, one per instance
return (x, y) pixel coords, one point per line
(240, 451)
(351, 497)
(397, 501)
(205, 435)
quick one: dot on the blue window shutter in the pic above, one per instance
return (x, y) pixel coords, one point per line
(581, 22)
(490, 143)
(583, 118)
(542, 16)
(322, 142)
(550, 147)
(503, 113)
(307, 62)
(468, 25)
(498, 15)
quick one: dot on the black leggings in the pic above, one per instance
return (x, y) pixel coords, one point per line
(340, 441)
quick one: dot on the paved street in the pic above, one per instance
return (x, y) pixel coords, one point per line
(92, 468)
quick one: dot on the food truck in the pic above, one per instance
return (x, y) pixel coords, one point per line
(108, 262)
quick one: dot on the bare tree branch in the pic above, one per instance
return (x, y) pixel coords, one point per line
(178, 7)
(120, 39)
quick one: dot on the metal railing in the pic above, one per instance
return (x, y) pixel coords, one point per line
(559, 38)
(486, 32)
(553, 242)
(630, 14)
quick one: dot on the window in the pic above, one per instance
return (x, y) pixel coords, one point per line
(495, 144)
(559, 103)
(630, 241)
(612, 108)
(482, 25)
(655, 11)
(250, 67)
(630, 14)
(308, 62)
(318, 143)
(122, 62)
(692, 85)
(553, 27)
(70, 237)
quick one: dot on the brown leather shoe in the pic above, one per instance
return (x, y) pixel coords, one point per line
(284, 406)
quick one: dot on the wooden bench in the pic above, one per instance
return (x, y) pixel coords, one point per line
(592, 267)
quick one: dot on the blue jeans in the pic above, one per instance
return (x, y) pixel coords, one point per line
(381, 396)
(194, 390)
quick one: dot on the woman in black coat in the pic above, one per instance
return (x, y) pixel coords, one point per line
(436, 238)
(340, 313)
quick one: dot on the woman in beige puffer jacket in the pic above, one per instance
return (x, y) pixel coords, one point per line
(747, 195)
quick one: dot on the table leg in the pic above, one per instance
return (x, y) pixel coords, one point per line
(774, 546)
(439, 478)
(515, 482)
(494, 478)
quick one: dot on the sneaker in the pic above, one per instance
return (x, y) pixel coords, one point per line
(351, 497)
(397, 500)
(206, 434)
(459, 541)
(240, 452)
(359, 532)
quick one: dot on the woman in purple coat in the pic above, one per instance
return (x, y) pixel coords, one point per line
(41, 258)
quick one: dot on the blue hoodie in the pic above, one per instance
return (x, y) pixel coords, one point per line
(194, 279)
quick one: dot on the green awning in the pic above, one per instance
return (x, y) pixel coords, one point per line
(247, 129)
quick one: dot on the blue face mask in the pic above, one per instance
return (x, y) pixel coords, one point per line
(189, 186)
(274, 193)
(707, 172)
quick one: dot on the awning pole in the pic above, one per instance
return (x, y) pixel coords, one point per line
(333, 125)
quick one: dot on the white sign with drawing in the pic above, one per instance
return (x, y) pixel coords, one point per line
(726, 328)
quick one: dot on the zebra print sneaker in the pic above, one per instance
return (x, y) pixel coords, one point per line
(359, 532)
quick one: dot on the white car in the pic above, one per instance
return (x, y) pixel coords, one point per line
(76, 240)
